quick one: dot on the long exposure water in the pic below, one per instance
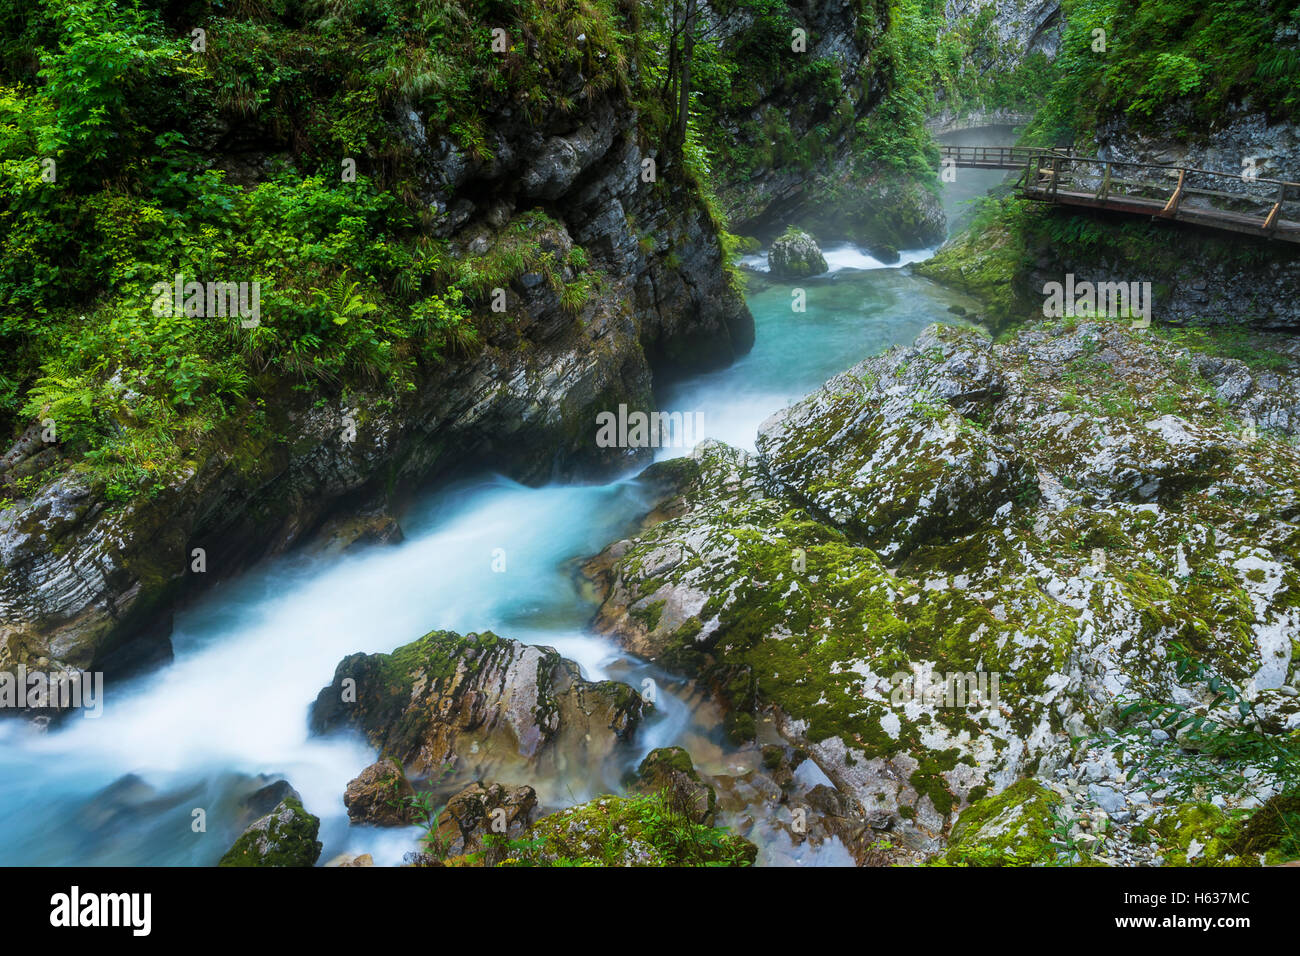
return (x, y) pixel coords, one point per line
(252, 654)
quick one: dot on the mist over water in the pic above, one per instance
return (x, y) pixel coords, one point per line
(959, 197)
(252, 653)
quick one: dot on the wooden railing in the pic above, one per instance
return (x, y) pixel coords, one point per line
(992, 157)
(1255, 206)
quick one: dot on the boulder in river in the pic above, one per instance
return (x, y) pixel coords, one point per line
(480, 700)
(670, 770)
(481, 811)
(795, 255)
(381, 796)
(284, 837)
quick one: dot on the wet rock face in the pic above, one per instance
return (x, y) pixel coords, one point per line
(481, 811)
(284, 837)
(881, 212)
(381, 796)
(480, 701)
(1021, 27)
(1094, 506)
(843, 33)
(795, 255)
(88, 583)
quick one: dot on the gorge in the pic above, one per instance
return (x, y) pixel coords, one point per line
(390, 576)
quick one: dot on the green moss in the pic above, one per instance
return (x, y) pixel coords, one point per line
(1013, 828)
(287, 837)
(649, 614)
(1197, 834)
(622, 831)
(1272, 830)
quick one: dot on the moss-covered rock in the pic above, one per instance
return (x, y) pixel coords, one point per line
(1272, 831)
(1013, 828)
(823, 581)
(1195, 834)
(478, 699)
(619, 831)
(882, 452)
(669, 770)
(795, 255)
(284, 837)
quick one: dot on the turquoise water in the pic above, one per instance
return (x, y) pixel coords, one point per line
(253, 653)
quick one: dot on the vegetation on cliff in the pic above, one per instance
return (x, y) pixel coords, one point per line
(287, 146)
(1171, 65)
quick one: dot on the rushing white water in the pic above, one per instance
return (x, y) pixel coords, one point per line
(845, 256)
(252, 654)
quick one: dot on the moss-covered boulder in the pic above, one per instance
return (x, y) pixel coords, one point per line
(1201, 834)
(1014, 828)
(929, 654)
(641, 830)
(670, 770)
(1272, 832)
(1195, 834)
(795, 255)
(894, 452)
(284, 837)
(478, 701)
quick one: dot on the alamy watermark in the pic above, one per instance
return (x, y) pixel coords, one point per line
(210, 300)
(648, 429)
(74, 908)
(21, 689)
(1115, 300)
(954, 689)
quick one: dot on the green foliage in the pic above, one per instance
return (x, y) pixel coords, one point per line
(1228, 731)
(894, 134)
(353, 293)
(1162, 54)
(645, 830)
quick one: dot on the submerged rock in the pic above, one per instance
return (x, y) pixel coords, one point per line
(284, 837)
(795, 255)
(348, 533)
(480, 700)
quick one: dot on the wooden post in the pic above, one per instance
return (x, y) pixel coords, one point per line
(1171, 207)
(1270, 224)
(1104, 191)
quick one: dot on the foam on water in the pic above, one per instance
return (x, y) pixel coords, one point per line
(845, 257)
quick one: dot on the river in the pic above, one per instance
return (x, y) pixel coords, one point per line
(252, 653)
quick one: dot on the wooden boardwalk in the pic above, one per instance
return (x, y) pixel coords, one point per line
(1268, 208)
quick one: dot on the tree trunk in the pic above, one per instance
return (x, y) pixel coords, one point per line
(684, 92)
